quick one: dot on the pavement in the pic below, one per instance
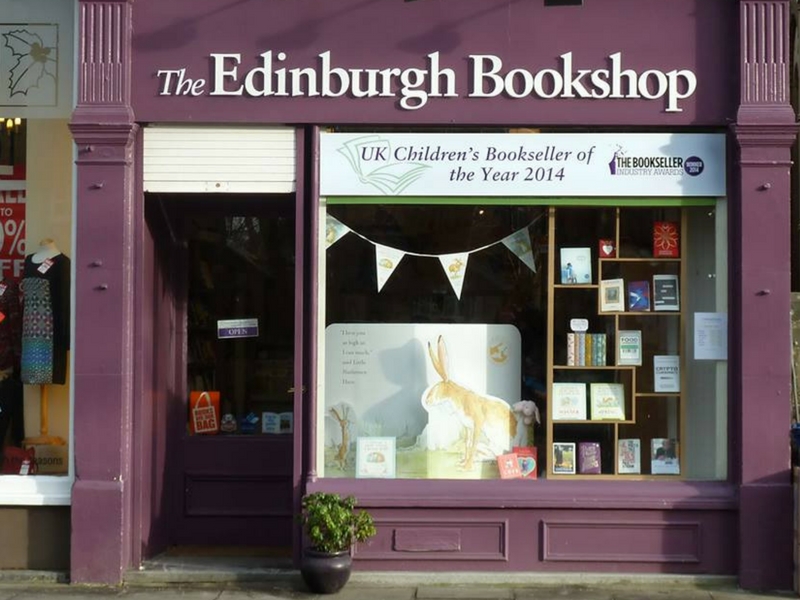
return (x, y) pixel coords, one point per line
(287, 584)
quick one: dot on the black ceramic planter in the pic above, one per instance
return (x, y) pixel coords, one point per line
(324, 572)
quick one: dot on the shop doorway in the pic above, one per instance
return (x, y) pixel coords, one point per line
(232, 490)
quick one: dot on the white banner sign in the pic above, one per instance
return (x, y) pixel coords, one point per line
(564, 164)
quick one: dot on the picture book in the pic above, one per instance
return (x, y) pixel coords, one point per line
(272, 422)
(629, 347)
(569, 401)
(607, 401)
(375, 457)
(589, 460)
(666, 295)
(664, 457)
(527, 456)
(665, 240)
(639, 296)
(630, 456)
(666, 373)
(564, 458)
(576, 266)
(612, 295)
(508, 465)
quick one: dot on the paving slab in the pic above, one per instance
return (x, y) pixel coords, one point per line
(746, 595)
(565, 592)
(477, 592)
(671, 593)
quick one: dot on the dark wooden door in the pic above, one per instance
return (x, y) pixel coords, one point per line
(235, 487)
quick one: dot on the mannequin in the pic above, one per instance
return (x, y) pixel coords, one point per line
(45, 326)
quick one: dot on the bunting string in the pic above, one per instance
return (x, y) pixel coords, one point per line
(454, 265)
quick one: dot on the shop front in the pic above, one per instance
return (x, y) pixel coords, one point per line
(515, 275)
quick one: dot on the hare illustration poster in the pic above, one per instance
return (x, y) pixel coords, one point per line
(444, 392)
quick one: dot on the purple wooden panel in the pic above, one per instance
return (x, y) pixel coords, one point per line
(681, 34)
(221, 495)
(431, 539)
(434, 536)
(621, 541)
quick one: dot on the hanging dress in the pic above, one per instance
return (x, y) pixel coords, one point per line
(45, 290)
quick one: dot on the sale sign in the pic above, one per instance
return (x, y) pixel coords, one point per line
(12, 234)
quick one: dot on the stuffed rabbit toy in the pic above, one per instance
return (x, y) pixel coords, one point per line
(479, 414)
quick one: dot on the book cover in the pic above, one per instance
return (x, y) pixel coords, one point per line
(272, 422)
(630, 456)
(664, 457)
(666, 294)
(580, 338)
(666, 373)
(576, 266)
(569, 401)
(629, 347)
(665, 239)
(607, 401)
(589, 350)
(564, 458)
(639, 296)
(612, 298)
(375, 457)
(606, 248)
(589, 460)
(528, 459)
(571, 356)
(508, 465)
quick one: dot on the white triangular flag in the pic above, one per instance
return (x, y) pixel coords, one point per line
(334, 231)
(386, 261)
(455, 267)
(519, 243)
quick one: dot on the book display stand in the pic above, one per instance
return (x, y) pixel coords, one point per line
(644, 335)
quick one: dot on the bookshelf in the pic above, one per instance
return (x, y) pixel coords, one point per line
(651, 411)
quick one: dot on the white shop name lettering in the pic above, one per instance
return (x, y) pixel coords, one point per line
(489, 77)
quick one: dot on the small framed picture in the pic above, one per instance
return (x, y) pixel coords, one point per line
(564, 458)
(612, 295)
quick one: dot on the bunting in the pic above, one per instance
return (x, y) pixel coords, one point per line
(454, 265)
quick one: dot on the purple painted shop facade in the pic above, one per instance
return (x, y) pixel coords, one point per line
(737, 526)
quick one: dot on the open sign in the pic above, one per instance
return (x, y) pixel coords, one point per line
(237, 328)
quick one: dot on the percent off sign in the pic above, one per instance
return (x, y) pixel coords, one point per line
(11, 232)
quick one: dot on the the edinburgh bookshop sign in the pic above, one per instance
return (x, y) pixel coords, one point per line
(522, 164)
(271, 74)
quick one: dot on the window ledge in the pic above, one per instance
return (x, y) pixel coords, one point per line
(35, 490)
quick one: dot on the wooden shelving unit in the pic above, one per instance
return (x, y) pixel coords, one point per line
(648, 414)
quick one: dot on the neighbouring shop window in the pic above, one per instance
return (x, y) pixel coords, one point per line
(35, 292)
(489, 341)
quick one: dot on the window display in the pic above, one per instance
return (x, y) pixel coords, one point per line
(442, 321)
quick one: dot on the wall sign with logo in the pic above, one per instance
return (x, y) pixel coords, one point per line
(607, 164)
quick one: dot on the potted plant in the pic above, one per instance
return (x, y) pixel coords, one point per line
(332, 525)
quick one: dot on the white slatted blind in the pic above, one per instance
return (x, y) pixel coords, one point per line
(203, 159)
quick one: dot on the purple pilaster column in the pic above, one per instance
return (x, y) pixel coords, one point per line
(103, 129)
(760, 345)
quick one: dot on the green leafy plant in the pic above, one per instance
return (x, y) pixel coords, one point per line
(332, 522)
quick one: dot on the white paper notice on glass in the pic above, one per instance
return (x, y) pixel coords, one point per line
(710, 336)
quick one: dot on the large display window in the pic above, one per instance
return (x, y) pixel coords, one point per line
(542, 338)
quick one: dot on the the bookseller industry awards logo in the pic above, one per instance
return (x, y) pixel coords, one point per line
(622, 164)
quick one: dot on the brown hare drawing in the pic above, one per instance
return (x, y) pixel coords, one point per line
(486, 420)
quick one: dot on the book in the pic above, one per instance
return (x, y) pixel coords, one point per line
(607, 401)
(639, 296)
(272, 422)
(629, 347)
(588, 350)
(569, 401)
(580, 338)
(571, 357)
(664, 458)
(564, 458)
(630, 456)
(665, 240)
(576, 266)
(666, 294)
(612, 298)
(589, 460)
(527, 456)
(666, 373)
(375, 457)
(606, 248)
(508, 465)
